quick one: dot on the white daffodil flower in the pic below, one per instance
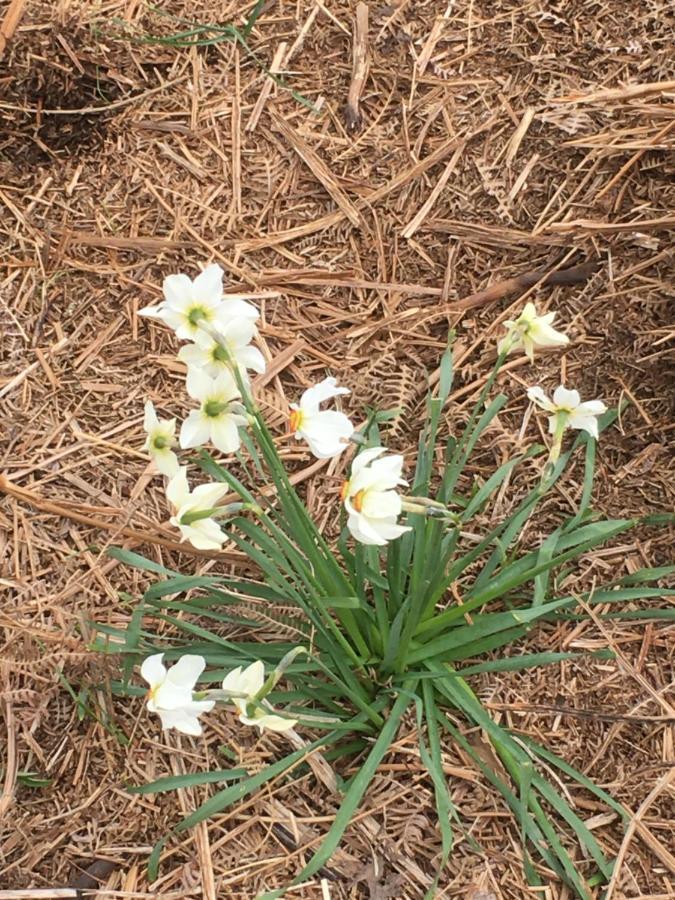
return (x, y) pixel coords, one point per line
(530, 330)
(370, 497)
(171, 692)
(326, 431)
(161, 437)
(567, 410)
(219, 415)
(233, 348)
(188, 304)
(249, 682)
(193, 511)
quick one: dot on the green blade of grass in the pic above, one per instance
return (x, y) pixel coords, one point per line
(173, 782)
(358, 786)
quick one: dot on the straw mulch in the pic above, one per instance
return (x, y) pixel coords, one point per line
(456, 145)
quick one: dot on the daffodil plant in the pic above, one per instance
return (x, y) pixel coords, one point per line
(418, 594)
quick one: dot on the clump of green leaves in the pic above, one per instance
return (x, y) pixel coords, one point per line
(385, 636)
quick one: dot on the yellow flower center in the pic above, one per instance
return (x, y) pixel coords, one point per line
(357, 500)
(295, 420)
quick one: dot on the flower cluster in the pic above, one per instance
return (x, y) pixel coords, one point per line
(174, 698)
(221, 328)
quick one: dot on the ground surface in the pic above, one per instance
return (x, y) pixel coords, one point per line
(494, 138)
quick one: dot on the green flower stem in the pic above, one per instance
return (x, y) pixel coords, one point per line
(321, 558)
(554, 454)
(218, 512)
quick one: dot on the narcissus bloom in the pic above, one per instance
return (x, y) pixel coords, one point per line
(326, 431)
(170, 694)
(249, 682)
(371, 499)
(232, 349)
(188, 304)
(161, 437)
(567, 410)
(219, 415)
(194, 510)
(529, 331)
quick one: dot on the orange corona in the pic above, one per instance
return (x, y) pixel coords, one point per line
(357, 500)
(295, 420)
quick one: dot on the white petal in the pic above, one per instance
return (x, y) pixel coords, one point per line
(529, 313)
(390, 530)
(187, 670)
(180, 720)
(317, 394)
(225, 387)
(327, 433)
(386, 472)
(507, 341)
(251, 358)
(207, 288)
(275, 723)
(205, 534)
(234, 307)
(232, 681)
(225, 434)
(195, 430)
(545, 336)
(152, 312)
(207, 495)
(537, 395)
(239, 331)
(153, 669)
(566, 399)
(150, 420)
(178, 490)
(583, 423)
(252, 678)
(365, 457)
(166, 462)
(363, 530)
(528, 346)
(381, 505)
(177, 291)
(193, 356)
(199, 385)
(171, 696)
(591, 408)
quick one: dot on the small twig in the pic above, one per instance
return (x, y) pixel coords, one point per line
(633, 826)
(583, 713)
(500, 289)
(629, 92)
(10, 22)
(352, 112)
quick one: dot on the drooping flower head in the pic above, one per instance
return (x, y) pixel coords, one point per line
(171, 692)
(193, 511)
(567, 410)
(161, 437)
(219, 415)
(530, 330)
(249, 682)
(190, 304)
(371, 499)
(327, 431)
